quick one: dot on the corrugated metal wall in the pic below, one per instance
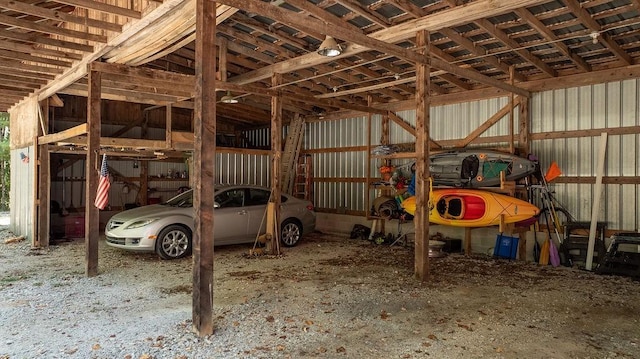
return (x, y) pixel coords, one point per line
(590, 107)
(614, 104)
(21, 193)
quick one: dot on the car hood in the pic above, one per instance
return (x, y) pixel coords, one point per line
(149, 211)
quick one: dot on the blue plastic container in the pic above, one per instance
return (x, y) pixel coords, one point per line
(506, 247)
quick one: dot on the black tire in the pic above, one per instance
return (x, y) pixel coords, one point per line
(174, 242)
(290, 233)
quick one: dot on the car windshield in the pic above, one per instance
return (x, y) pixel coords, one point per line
(184, 199)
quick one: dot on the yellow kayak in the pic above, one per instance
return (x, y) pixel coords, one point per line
(472, 208)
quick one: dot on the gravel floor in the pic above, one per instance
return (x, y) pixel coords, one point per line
(329, 297)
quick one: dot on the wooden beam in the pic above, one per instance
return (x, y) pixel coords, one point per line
(593, 25)
(501, 36)
(133, 143)
(478, 51)
(487, 124)
(79, 69)
(104, 7)
(38, 50)
(56, 15)
(64, 135)
(276, 165)
(311, 24)
(92, 214)
(44, 39)
(204, 157)
(227, 86)
(548, 34)
(422, 174)
(49, 29)
(446, 18)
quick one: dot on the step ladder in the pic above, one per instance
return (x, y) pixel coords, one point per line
(303, 187)
(291, 152)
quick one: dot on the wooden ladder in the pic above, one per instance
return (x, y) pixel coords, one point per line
(303, 187)
(291, 153)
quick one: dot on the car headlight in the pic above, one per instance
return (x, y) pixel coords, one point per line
(141, 223)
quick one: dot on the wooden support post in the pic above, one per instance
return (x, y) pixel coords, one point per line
(271, 229)
(44, 186)
(143, 196)
(168, 132)
(276, 163)
(524, 142)
(467, 241)
(367, 185)
(204, 156)
(595, 209)
(421, 219)
(92, 214)
(522, 243)
(512, 148)
(34, 190)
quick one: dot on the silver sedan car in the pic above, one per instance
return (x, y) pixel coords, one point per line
(239, 215)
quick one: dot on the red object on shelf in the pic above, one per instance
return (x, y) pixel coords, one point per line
(154, 201)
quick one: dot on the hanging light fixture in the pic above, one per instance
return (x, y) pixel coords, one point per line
(228, 98)
(329, 47)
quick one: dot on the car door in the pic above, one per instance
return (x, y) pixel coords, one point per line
(231, 217)
(256, 206)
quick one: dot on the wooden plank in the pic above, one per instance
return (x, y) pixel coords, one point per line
(421, 219)
(35, 241)
(402, 123)
(592, 179)
(204, 157)
(595, 209)
(92, 214)
(63, 135)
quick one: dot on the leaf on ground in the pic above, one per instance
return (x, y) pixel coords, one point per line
(384, 315)
(270, 319)
(341, 350)
(432, 337)
(70, 351)
(96, 346)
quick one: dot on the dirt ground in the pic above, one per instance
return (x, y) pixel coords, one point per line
(328, 297)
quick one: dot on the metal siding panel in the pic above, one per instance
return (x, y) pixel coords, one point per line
(572, 109)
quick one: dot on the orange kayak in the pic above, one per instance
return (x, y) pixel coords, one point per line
(473, 208)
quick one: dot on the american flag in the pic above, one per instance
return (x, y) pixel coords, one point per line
(24, 157)
(102, 197)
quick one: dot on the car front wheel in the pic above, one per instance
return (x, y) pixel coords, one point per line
(290, 233)
(173, 242)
